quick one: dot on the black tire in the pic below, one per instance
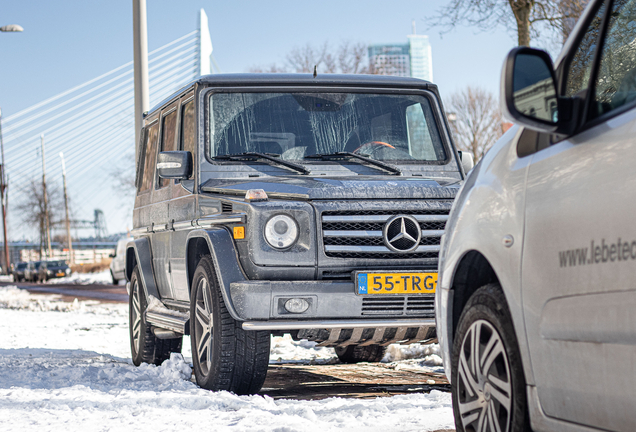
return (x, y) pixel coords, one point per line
(115, 280)
(356, 353)
(224, 356)
(145, 347)
(492, 389)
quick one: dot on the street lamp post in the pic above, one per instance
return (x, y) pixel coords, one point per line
(11, 28)
(3, 208)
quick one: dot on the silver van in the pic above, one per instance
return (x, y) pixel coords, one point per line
(537, 296)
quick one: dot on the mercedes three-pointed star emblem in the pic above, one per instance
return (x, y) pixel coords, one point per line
(402, 234)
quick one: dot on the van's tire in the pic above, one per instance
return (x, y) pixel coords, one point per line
(224, 356)
(495, 385)
(145, 347)
(357, 354)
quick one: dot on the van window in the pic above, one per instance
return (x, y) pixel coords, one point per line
(168, 131)
(580, 68)
(188, 130)
(616, 80)
(150, 156)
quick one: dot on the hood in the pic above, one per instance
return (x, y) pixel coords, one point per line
(325, 188)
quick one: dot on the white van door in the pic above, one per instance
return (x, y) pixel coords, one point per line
(579, 257)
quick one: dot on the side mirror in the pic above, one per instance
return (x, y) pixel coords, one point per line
(467, 160)
(529, 90)
(174, 165)
(111, 255)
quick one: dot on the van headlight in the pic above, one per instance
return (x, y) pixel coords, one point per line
(281, 231)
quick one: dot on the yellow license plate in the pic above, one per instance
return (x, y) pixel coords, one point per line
(59, 274)
(396, 283)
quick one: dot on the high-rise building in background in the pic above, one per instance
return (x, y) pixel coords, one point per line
(412, 59)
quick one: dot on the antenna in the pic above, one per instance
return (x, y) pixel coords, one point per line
(315, 71)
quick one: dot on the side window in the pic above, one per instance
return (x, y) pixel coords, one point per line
(616, 79)
(149, 157)
(580, 67)
(168, 130)
(188, 135)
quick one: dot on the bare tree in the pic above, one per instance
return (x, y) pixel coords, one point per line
(124, 176)
(273, 68)
(526, 16)
(478, 122)
(348, 57)
(32, 208)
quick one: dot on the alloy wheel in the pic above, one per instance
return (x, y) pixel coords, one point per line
(203, 325)
(484, 380)
(136, 316)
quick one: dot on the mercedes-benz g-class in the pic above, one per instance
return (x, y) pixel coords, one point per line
(271, 204)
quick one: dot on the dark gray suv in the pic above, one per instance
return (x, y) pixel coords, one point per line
(271, 204)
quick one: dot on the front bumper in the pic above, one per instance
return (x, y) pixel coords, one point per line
(264, 300)
(336, 315)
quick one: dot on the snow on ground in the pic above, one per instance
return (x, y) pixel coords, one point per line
(102, 277)
(66, 366)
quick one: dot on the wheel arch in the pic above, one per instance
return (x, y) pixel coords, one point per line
(471, 273)
(218, 243)
(138, 253)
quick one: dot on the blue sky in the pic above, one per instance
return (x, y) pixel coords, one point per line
(68, 42)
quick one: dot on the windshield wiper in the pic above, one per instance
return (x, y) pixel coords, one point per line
(348, 155)
(267, 156)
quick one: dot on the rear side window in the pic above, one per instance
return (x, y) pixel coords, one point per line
(168, 133)
(616, 81)
(187, 130)
(150, 156)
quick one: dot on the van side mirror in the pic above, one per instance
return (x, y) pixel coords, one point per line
(174, 165)
(467, 160)
(529, 90)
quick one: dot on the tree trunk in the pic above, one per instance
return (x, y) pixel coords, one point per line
(521, 10)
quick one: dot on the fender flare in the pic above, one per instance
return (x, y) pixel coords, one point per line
(225, 260)
(138, 252)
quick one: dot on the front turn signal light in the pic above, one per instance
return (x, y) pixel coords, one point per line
(256, 195)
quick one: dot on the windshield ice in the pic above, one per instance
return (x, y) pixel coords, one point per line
(296, 125)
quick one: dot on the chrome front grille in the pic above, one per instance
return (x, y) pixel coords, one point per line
(358, 234)
(421, 305)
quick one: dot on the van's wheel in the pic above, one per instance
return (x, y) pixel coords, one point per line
(145, 347)
(488, 385)
(224, 356)
(356, 353)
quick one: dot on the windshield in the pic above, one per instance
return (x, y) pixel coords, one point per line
(56, 263)
(297, 125)
(21, 266)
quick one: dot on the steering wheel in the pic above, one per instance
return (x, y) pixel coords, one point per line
(374, 143)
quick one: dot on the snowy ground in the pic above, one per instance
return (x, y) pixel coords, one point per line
(102, 277)
(66, 366)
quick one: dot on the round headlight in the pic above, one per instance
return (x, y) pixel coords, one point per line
(281, 231)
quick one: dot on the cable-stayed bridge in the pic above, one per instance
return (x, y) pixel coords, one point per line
(93, 125)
